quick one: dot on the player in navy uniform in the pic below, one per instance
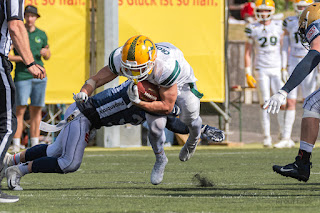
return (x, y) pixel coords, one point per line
(108, 108)
(309, 29)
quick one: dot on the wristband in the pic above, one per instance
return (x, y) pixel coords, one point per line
(31, 64)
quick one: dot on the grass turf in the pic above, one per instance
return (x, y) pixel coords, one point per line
(115, 180)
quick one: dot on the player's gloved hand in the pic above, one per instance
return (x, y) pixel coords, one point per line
(250, 79)
(133, 93)
(80, 97)
(213, 134)
(175, 111)
(284, 75)
(274, 103)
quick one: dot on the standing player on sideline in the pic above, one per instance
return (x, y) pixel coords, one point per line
(293, 46)
(309, 30)
(108, 108)
(264, 36)
(11, 27)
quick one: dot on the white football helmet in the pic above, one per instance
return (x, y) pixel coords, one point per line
(264, 9)
(300, 5)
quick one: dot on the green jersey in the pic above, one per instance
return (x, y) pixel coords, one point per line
(38, 40)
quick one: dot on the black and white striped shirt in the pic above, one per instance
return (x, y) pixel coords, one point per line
(9, 10)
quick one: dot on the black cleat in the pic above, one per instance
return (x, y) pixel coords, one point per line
(298, 170)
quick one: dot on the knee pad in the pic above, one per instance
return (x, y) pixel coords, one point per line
(156, 125)
(46, 165)
(36, 152)
(310, 114)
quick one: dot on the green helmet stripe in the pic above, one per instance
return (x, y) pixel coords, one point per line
(263, 1)
(132, 50)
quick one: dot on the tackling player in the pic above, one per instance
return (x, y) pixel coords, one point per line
(293, 47)
(264, 36)
(309, 30)
(108, 108)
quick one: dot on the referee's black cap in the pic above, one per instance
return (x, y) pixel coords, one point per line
(31, 9)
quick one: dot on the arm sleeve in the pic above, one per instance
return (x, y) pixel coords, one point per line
(284, 51)
(304, 68)
(14, 9)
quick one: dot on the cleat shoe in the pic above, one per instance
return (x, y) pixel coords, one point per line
(158, 170)
(267, 141)
(14, 175)
(187, 151)
(285, 143)
(4, 198)
(212, 134)
(297, 170)
(7, 162)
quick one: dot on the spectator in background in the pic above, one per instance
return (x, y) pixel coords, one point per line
(26, 86)
(247, 11)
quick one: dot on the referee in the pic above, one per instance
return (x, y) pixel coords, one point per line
(12, 29)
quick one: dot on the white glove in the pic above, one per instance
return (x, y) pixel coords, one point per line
(80, 97)
(274, 103)
(133, 93)
(284, 75)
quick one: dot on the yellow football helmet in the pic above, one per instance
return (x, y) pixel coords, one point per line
(309, 15)
(262, 5)
(138, 57)
(300, 5)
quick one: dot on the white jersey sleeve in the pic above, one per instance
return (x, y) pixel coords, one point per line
(115, 61)
(171, 67)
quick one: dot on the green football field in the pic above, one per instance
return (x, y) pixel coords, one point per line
(118, 180)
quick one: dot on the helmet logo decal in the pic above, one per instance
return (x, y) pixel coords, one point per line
(151, 49)
(132, 50)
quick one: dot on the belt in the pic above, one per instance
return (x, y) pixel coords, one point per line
(3, 56)
(55, 128)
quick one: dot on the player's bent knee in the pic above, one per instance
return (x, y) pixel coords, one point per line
(310, 114)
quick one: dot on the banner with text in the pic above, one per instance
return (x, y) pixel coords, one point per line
(66, 23)
(194, 26)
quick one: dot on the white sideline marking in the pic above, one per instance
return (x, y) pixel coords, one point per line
(178, 196)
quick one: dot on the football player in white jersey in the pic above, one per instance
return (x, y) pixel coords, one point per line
(164, 65)
(292, 53)
(264, 38)
(309, 30)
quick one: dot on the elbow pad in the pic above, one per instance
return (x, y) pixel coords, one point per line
(304, 68)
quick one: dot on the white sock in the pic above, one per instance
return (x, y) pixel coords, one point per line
(308, 147)
(281, 121)
(34, 141)
(265, 122)
(288, 123)
(16, 142)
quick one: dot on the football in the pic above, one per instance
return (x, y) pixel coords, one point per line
(148, 91)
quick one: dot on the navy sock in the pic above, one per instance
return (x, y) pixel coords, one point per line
(46, 165)
(304, 156)
(36, 152)
(176, 125)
